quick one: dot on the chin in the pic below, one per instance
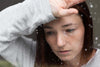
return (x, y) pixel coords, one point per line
(68, 58)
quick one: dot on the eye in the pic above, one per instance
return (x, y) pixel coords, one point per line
(49, 33)
(70, 30)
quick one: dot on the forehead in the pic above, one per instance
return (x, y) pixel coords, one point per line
(71, 19)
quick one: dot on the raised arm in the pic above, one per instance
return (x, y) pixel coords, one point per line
(23, 18)
(18, 20)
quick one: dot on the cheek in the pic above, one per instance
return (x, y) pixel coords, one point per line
(79, 39)
(51, 41)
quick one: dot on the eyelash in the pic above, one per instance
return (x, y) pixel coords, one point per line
(51, 33)
(70, 30)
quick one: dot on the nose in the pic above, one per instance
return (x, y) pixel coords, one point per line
(60, 40)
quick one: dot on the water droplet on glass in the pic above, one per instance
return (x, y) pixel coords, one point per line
(85, 49)
(36, 30)
(81, 15)
(61, 62)
(96, 38)
(90, 26)
(90, 16)
(91, 6)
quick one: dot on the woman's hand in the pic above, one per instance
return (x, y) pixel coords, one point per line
(61, 8)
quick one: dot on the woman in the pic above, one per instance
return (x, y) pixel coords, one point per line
(22, 19)
(68, 41)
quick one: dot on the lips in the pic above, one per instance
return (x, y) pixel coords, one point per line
(64, 51)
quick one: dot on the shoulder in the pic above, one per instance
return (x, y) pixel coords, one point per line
(97, 54)
(95, 61)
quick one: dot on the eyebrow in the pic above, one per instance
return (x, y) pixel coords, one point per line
(49, 27)
(67, 25)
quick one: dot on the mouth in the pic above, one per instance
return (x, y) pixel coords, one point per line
(64, 52)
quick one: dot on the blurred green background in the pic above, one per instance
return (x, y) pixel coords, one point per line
(4, 63)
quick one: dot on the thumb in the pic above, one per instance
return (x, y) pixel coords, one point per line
(65, 12)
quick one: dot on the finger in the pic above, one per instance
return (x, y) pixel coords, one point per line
(64, 4)
(61, 3)
(66, 12)
(74, 2)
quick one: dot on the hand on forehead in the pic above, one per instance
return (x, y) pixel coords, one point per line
(70, 3)
(60, 7)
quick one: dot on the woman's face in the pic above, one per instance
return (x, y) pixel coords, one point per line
(65, 36)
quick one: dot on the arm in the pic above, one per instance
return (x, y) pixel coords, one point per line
(23, 18)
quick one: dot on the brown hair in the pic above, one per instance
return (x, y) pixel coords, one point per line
(44, 55)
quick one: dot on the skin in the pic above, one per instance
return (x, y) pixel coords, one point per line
(65, 36)
(61, 8)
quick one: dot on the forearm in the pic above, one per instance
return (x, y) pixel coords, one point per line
(23, 18)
